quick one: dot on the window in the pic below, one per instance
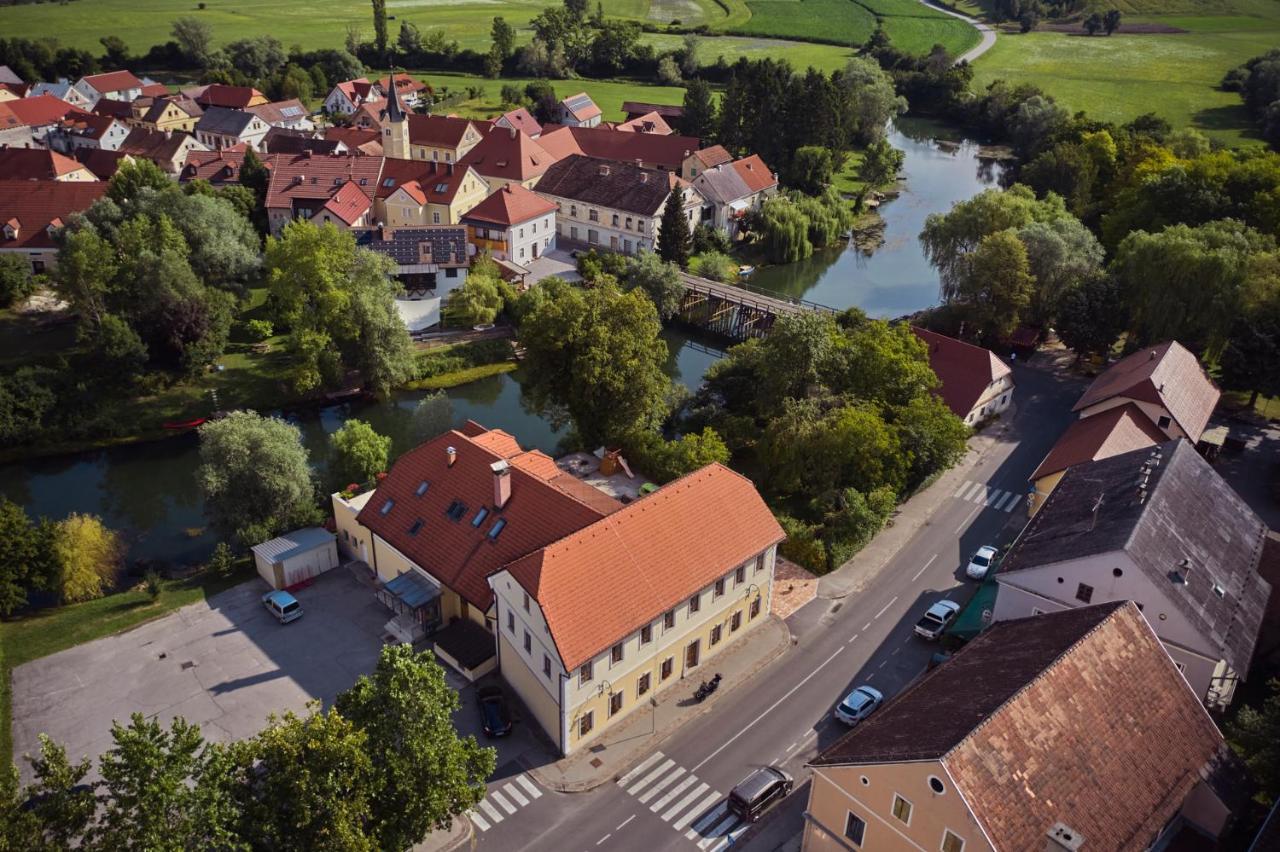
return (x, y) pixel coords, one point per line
(615, 703)
(695, 603)
(417, 525)
(1035, 610)
(668, 665)
(456, 510)
(586, 723)
(936, 785)
(573, 232)
(481, 514)
(593, 215)
(451, 273)
(573, 210)
(755, 608)
(593, 236)
(511, 622)
(855, 828)
(528, 642)
(546, 665)
(386, 507)
(646, 634)
(740, 575)
(759, 563)
(719, 589)
(422, 488)
(642, 685)
(1084, 593)
(526, 601)
(522, 233)
(902, 809)
(669, 619)
(735, 622)
(585, 673)
(640, 225)
(615, 654)
(615, 220)
(497, 528)
(1164, 422)
(628, 223)
(951, 842)
(435, 218)
(716, 633)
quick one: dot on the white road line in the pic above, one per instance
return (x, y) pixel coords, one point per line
(707, 821)
(886, 607)
(665, 766)
(648, 761)
(688, 782)
(729, 822)
(882, 662)
(752, 723)
(867, 626)
(974, 489)
(966, 521)
(684, 803)
(478, 820)
(529, 786)
(662, 782)
(1013, 505)
(697, 809)
(500, 799)
(926, 566)
(996, 496)
(624, 822)
(1010, 496)
(730, 838)
(603, 839)
(964, 486)
(489, 809)
(792, 747)
(510, 790)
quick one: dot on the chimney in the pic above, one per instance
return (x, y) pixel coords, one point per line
(452, 454)
(644, 177)
(1063, 838)
(450, 167)
(386, 234)
(604, 169)
(513, 133)
(1153, 355)
(501, 482)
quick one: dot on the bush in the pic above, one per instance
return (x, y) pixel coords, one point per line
(260, 329)
(152, 584)
(221, 563)
(707, 238)
(803, 546)
(715, 266)
(464, 356)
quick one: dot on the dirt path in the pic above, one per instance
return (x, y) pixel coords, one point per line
(987, 32)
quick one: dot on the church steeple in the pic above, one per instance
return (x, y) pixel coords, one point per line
(395, 127)
(394, 111)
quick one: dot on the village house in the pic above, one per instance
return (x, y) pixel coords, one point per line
(358, 141)
(32, 212)
(414, 192)
(40, 164)
(281, 140)
(976, 385)
(167, 149)
(167, 114)
(704, 158)
(1160, 527)
(225, 97)
(1165, 381)
(12, 91)
(114, 86)
(321, 189)
(650, 123)
(497, 546)
(508, 156)
(290, 114)
(1065, 732)
(520, 119)
(617, 206)
(220, 168)
(437, 138)
(513, 224)
(220, 127)
(578, 111)
(651, 151)
(119, 110)
(103, 164)
(732, 190)
(348, 96)
(37, 117)
(669, 112)
(13, 133)
(79, 130)
(9, 76)
(431, 262)
(409, 91)
(63, 90)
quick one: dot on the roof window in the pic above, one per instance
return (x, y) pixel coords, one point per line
(422, 488)
(497, 528)
(481, 514)
(417, 525)
(386, 507)
(456, 510)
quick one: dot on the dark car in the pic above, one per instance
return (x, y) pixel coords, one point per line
(758, 791)
(494, 714)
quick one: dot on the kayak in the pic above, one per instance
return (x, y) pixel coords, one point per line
(186, 424)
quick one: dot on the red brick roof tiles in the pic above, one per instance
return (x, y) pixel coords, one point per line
(349, 203)
(510, 205)
(521, 119)
(42, 109)
(36, 204)
(113, 81)
(965, 370)
(1166, 374)
(1108, 433)
(755, 173)
(508, 154)
(37, 164)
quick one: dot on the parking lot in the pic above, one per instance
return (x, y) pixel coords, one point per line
(224, 664)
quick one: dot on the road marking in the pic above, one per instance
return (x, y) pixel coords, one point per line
(500, 799)
(792, 747)
(966, 521)
(996, 496)
(603, 839)
(529, 786)
(774, 706)
(625, 821)
(666, 766)
(656, 788)
(491, 810)
(515, 794)
(926, 566)
(673, 792)
(697, 809)
(648, 761)
(1008, 495)
(1013, 505)
(727, 823)
(867, 626)
(964, 486)
(974, 490)
(885, 607)
(478, 820)
(708, 820)
(684, 803)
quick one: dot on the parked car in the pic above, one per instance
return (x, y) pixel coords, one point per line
(284, 606)
(859, 704)
(756, 793)
(494, 714)
(980, 562)
(936, 619)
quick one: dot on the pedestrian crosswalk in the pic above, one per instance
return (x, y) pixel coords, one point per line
(985, 494)
(683, 801)
(505, 797)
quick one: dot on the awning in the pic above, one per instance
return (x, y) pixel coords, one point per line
(412, 589)
(976, 615)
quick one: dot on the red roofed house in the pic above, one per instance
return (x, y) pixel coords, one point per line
(513, 224)
(347, 97)
(650, 123)
(306, 186)
(409, 90)
(40, 164)
(732, 189)
(649, 150)
(13, 133)
(594, 606)
(220, 168)
(114, 85)
(578, 111)
(31, 212)
(349, 207)
(976, 384)
(507, 155)
(418, 192)
(87, 130)
(227, 97)
(40, 114)
(520, 119)
(1165, 381)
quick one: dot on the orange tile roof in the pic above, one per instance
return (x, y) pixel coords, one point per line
(608, 579)
(37, 204)
(349, 203)
(42, 109)
(521, 119)
(1166, 374)
(440, 131)
(113, 81)
(438, 183)
(413, 189)
(1106, 434)
(648, 123)
(510, 205)
(965, 370)
(755, 173)
(612, 144)
(35, 164)
(713, 156)
(303, 176)
(508, 154)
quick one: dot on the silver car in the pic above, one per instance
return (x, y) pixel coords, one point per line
(859, 704)
(936, 619)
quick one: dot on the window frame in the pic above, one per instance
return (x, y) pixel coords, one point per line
(946, 832)
(735, 621)
(893, 809)
(669, 620)
(617, 653)
(615, 698)
(643, 684)
(754, 610)
(511, 622)
(528, 642)
(667, 668)
(646, 634)
(861, 839)
(586, 723)
(1084, 593)
(740, 575)
(717, 590)
(546, 665)
(586, 672)
(695, 603)
(716, 636)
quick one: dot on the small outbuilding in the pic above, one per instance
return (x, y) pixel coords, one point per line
(296, 557)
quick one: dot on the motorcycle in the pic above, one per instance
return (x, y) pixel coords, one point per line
(707, 687)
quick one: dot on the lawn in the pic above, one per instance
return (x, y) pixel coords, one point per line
(608, 94)
(911, 25)
(46, 632)
(1119, 77)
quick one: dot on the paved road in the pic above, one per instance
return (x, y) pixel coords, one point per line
(675, 799)
(987, 32)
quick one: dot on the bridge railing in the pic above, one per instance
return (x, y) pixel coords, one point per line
(727, 289)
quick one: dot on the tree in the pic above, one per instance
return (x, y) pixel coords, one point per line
(477, 301)
(258, 58)
(930, 435)
(1094, 24)
(577, 8)
(855, 518)
(1250, 360)
(27, 559)
(133, 177)
(812, 169)
(380, 26)
(595, 358)
(1110, 21)
(409, 42)
(115, 53)
(16, 281)
(668, 71)
(614, 45)
(998, 286)
(880, 164)
(708, 238)
(194, 38)
(255, 477)
(358, 453)
(88, 556)
(714, 266)
(432, 416)
(53, 812)
(658, 279)
(426, 774)
(699, 119)
(221, 561)
(674, 238)
(1092, 315)
(668, 460)
(1059, 253)
(1255, 735)
(784, 231)
(504, 38)
(871, 99)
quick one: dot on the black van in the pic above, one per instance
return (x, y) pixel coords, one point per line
(758, 791)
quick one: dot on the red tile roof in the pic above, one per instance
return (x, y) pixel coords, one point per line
(36, 164)
(228, 97)
(349, 203)
(405, 84)
(355, 138)
(102, 163)
(711, 157)
(459, 555)
(36, 204)
(581, 107)
(312, 177)
(521, 119)
(1108, 433)
(756, 174)
(87, 125)
(116, 109)
(619, 145)
(113, 81)
(510, 205)
(965, 370)
(437, 182)
(508, 154)
(1167, 375)
(218, 167)
(440, 131)
(7, 118)
(608, 579)
(42, 109)
(648, 123)
(155, 90)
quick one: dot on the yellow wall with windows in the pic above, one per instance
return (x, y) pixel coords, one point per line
(1043, 488)
(538, 697)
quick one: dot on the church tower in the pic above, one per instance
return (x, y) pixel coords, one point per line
(395, 126)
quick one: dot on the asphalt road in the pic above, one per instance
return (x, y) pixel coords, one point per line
(675, 800)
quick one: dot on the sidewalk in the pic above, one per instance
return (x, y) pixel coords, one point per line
(622, 747)
(456, 836)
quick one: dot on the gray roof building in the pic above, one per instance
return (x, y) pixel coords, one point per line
(225, 122)
(610, 184)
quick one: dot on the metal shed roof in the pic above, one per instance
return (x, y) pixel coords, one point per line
(294, 543)
(412, 589)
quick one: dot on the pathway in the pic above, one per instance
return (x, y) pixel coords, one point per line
(987, 32)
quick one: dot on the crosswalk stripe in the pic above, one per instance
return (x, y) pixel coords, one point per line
(643, 782)
(506, 806)
(974, 489)
(964, 486)
(684, 803)
(491, 810)
(697, 809)
(995, 496)
(709, 819)
(714, 834)
(516, 794)
(478, 820)
(1013, 504)
(730, 838)
(675, 791)
(648, 761)
(1010, 500)
(662, 782)
(529, 786)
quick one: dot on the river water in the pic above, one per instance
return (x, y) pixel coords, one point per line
(148, 491)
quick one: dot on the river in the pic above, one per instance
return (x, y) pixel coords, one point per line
(148, 491)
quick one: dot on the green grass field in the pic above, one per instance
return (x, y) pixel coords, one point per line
(838, 20)
(1119, 77)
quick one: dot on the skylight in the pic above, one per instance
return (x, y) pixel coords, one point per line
(417, 525)
(481, 514)
(422, 488)
(497, 528)
(386, 507)
(456, 510)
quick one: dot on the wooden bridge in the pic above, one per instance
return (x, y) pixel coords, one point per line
(736, 311)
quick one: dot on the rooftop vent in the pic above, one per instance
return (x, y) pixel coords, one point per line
(452, 455)
(1063, 838)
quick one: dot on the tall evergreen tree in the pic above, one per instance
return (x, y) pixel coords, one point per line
(699, 111)
(380, 26)
(674, 239)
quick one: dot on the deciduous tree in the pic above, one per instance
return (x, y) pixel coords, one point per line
(358, 452)
(657, 279)
(432, 416)
(88, 555)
